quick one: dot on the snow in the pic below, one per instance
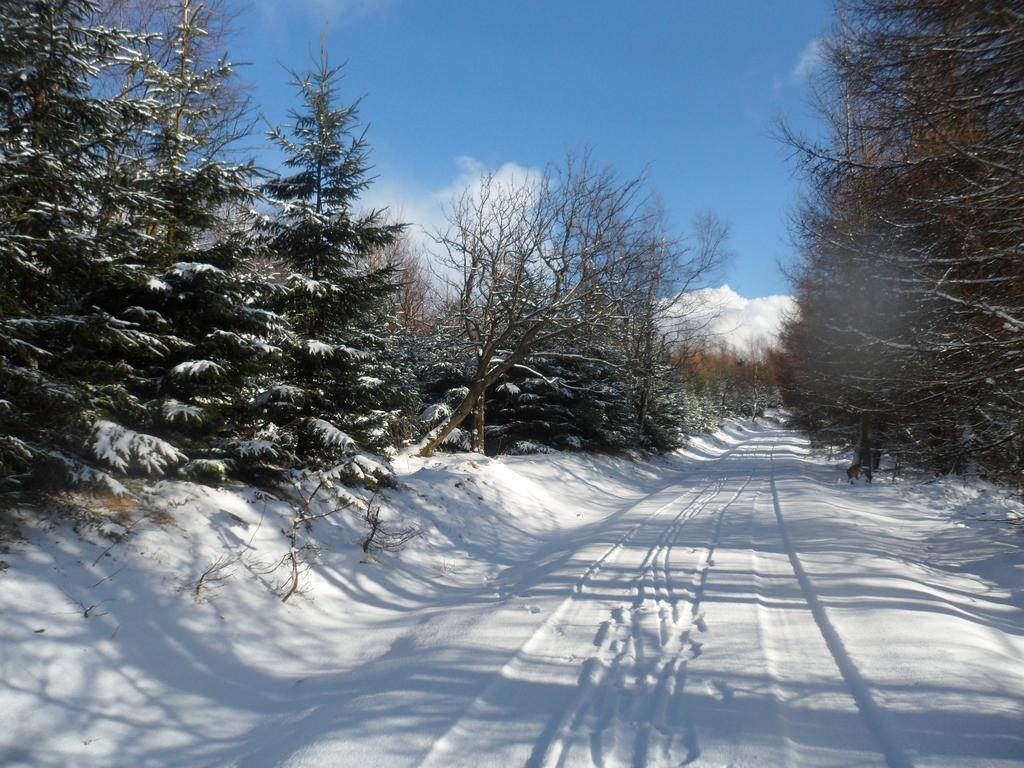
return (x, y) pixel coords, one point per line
(298, 282)
(256, 449)
(174, 410)
(362, 465)
(194, 368)
(329, 435)
(224, 337)
(83, 475)
(371, 464)
(319, 348)
(735, 604)
(287, 393)
(262, 348)
(123, 449)
(525, 447)
(458, 439)
(189, 269)
(435, 412)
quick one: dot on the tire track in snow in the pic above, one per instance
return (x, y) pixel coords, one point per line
(442, 747)
(764, 640)
(631, 698)
(604, 679)
(859, 688)
(697, 622)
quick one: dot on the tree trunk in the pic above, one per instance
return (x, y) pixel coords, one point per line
(864, 447)
(479, 388)
(478, 423)
(476, 389)
(645, 355)
(645, 398)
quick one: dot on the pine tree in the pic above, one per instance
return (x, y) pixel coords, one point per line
(203, 397)
(76, 204)
(341, 388)
(572, 399)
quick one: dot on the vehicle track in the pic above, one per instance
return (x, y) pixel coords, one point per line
(634, 619)
(857, 686)
(442, 750)
(628, 689)
(639, 716)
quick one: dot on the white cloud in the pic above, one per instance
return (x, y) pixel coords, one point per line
(720, 316)
(471, 174)
(810, 60)
(424, 208)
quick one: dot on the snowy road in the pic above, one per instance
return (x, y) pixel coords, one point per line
(741, 605)
(755, 613)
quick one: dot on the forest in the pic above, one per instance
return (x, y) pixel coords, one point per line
(169, 308)
(909, 339)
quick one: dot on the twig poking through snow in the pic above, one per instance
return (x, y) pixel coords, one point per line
(380, 538)
(298, 556)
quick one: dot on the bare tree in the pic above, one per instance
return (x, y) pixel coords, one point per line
(910, 334)
(532, 262)
(711, 235)
(663, 317)
(381, 537)
(411, 302)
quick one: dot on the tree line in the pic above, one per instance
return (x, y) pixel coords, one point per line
(167, 307)
(909, 337)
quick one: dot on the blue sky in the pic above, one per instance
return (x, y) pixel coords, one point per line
(689, 88)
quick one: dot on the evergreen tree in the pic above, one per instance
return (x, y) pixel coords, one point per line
(341, 387)
(573, 399)
(664, 408)
(77, 203)
(203, 397)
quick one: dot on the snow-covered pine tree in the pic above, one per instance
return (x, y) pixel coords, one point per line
(77, 204)
(203, 397)
(341, 388)
(574, 397)
(664, 410)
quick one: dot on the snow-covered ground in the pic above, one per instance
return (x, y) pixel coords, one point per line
(737, 604)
